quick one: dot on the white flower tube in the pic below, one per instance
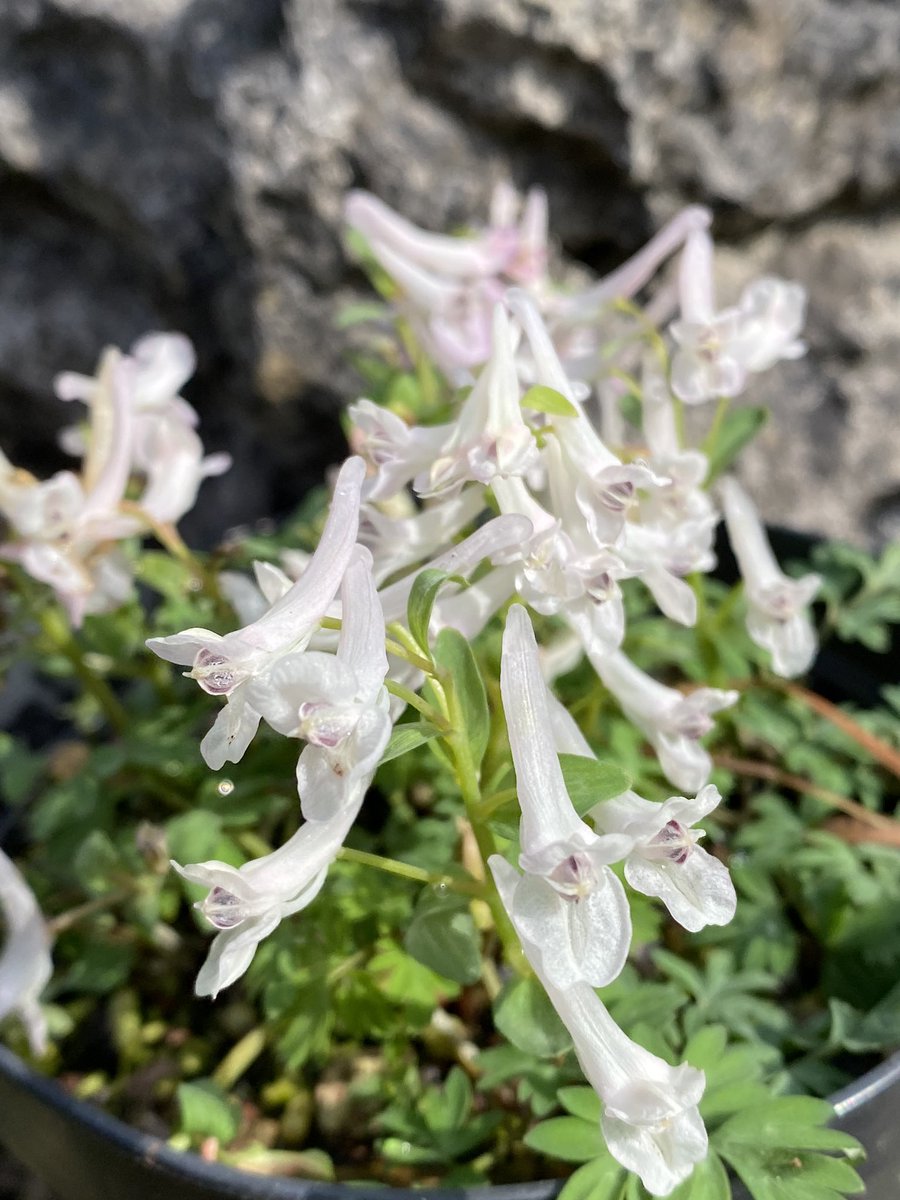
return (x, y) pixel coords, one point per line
(665, 860)
(246, 903)
(778, 616)
(673, 723)
(25, 963)
(336, 702)
(569, 907)
(650, 1120)
(223, 664)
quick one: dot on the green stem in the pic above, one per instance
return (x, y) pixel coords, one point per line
(416, 702)
(58, 633)
(65, 920)
(489, 805)
(239, 1059)
(407, 871)
(711, 441)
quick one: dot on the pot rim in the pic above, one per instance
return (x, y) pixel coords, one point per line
(233, 1182)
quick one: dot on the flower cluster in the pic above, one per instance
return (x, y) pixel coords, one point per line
(528, 494)
(65, 531)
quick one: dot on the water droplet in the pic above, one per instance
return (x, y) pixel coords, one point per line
(225, 787)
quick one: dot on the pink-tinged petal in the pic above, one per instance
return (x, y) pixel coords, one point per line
(459, 257)
(627, 280)
(547, 812)
(697, 892)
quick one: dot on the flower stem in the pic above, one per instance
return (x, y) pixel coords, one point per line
(65, 920)
(393, 866)
(431, 714)
(56, 630)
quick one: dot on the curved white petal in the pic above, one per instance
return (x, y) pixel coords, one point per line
(697, 892)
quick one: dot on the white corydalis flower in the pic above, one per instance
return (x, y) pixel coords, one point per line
(66, 526)
(665, 860)
(569, 907)
(393, 451)
(25, 963)
(397, 542)
(490, 437)
(223, 664)
(650, 1121)
(778, 618)
(245, 904)
(449, 285)
(673, 723)
(336, 702)
(717, 350)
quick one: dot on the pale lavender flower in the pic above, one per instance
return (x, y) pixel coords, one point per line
(665, 860)
(25, 963)
(66, 525)
(569, 908)
(718, 349)
(778, 617)
(245, 904)
(673, 723)
(650, 1120)
(223, 664)
(336, 702)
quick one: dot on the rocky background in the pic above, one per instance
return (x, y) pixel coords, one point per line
(180, 164)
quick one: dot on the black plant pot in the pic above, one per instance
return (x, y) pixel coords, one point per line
(82, 1153)
(85, 1154)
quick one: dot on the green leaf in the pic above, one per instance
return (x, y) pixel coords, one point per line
(442, 936)
(589, 782)
(424, 592)
(738, 427)
(548, 400)
(469, 704)
(601, 1179)
(707, 1181)
(776, 1147)
(207, 1111)
(581, 1102)
(566, 1138)
(408, 737)
(523, 1014)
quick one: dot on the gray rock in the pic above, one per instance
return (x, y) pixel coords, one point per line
(181, 163)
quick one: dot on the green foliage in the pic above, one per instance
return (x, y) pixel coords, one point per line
(548, 400)
(442, 936)
(590, 782)
(424, 592)
(524, 1015)
(441, 1128)
(862, 594)
(469, 705)
(738, 428)
(206, 1111)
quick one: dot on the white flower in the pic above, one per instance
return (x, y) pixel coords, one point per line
(449, 285)
(672, 722)
(489, 437)
(65, 526)
(175, 467)
(246, 903)
(778, 616)
(665, 860)
(336, 702)
(398, 542)
(569, 908)
(25, 963)
(223, 664)
(393, 451)
(718, 349)
(650, 1120)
